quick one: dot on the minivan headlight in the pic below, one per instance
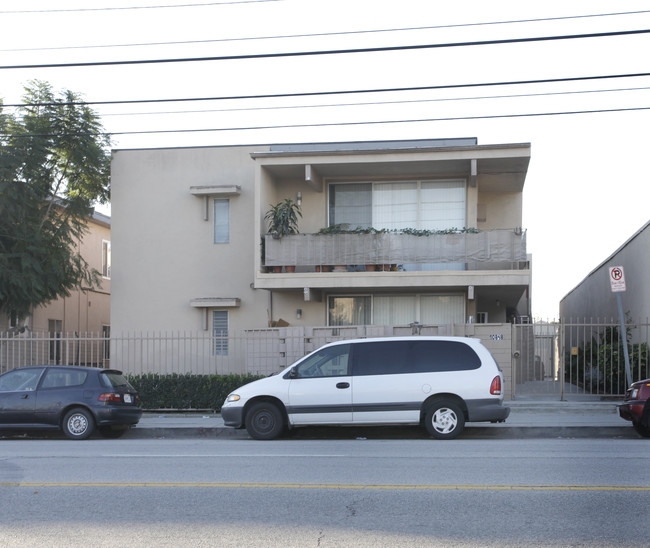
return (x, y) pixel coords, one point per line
(634, 394)
(233, 397)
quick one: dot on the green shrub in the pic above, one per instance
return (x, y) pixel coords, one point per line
(186, 392)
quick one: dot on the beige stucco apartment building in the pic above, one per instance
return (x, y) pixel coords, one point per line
(191, 252)
(72, 329)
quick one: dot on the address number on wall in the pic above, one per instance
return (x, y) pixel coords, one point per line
(496, 337)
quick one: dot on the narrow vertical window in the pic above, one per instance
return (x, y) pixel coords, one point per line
(220, 332)
(222, 221)
(106, 259)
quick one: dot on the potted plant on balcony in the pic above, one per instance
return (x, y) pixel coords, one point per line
(283, 221)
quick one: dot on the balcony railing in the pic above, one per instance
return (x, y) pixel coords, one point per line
(493, 249)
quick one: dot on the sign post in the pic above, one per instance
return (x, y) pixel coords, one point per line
(617, 283)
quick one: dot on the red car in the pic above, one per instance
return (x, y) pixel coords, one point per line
(636, 407)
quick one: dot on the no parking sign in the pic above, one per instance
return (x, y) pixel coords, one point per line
(617, 278)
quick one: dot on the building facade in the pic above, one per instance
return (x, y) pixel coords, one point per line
(392, 233)
(69, 330)
(593, 300)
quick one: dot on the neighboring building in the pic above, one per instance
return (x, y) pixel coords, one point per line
(84, 313)
(592, 300)
(188, 226)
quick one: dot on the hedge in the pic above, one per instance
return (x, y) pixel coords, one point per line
(186, 392)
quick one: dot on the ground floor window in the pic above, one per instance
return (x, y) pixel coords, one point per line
(395, 309)
(220, 332)
(106, 336)
(55, 328)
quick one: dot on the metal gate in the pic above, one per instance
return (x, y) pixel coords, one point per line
(569, 359)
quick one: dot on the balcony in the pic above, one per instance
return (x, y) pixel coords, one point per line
(495, 249)
(391, 259)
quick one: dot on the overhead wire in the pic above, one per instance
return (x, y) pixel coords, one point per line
(360, 91)
(377, 103)
(324, 34)
(276, 55)
(344, 92)
(123, 8)
(331, 124)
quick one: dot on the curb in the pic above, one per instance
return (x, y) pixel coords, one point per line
(379, 432)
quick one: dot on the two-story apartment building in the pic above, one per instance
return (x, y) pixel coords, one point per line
(52, 333)
(192, 251)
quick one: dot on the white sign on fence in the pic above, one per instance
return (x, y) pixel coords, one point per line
(617, 278)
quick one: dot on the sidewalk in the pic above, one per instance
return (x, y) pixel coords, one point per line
(528, 419)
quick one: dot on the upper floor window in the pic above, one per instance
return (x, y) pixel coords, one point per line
(106, 258)
(221, 221)
(426, 205)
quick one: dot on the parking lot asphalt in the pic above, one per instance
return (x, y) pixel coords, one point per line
(528, 419)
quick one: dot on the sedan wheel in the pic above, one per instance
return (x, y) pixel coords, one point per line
(444, 420)
(641, 429)
(78, 424)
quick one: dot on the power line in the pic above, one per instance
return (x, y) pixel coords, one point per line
(331, 124)
(123, 8)
(377, 103)
(323, 34)
(330, 52)
(340, 92)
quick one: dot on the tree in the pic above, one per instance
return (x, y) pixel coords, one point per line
(54, 166)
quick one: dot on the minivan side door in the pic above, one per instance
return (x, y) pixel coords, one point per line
(320, 388)
(384, 392)
(393, 378)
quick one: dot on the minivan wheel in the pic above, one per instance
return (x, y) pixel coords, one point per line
(264, 421)
(78, 424)
(444, 420)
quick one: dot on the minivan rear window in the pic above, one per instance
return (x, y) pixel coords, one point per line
(394, 357)
(433, 356)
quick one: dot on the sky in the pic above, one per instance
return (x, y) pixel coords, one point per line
(586, 190)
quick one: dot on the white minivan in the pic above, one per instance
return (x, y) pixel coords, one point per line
(438, 382)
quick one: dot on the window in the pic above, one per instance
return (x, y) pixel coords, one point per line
(349, 311)
(435, 356)
(380, 358)
(55, 327)
(106, 341)
(111, 379)
(106, 259)
(220, 332)
(427, 205)
(442, 309)
(221, 221)
(328, 362)
(396, 309)
(393, 357)
(20, 379)
(60, 378)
